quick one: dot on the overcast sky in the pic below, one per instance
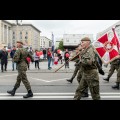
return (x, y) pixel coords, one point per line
(60, 27)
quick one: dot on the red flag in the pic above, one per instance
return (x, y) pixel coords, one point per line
(107, 46)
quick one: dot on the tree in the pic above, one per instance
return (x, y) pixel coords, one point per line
(61, 46)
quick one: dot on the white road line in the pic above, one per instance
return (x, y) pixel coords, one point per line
(48, 97)
(58, 79)
(48, 80)
(37, 94)
(39, 79)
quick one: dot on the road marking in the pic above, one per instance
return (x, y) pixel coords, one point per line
(2, 94)
(39, 79)
(6, 96)
(48, 80)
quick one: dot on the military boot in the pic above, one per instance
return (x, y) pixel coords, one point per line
(30, 94)
(70, 80)
(12, 92)
(116, 86)
(106, 79)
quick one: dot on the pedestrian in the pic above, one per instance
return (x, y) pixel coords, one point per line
(56, 60)
(28, 62)
(4, 59)
(12, 55)
(36, 59)
(66, 57)
(90, 77)
(49, 57)
(44, 54)
(20, 58)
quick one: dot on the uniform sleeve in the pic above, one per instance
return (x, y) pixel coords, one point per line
(16, 57)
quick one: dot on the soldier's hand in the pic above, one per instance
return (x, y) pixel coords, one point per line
(101, 72)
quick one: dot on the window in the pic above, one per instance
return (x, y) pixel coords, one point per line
(26, 37)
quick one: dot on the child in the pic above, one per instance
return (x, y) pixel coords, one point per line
(28, 62)
(56, 60)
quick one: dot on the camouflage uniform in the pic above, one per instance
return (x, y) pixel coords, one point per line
(90, 76)
(20, 58)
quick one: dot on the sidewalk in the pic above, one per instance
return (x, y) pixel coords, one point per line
(44, 68)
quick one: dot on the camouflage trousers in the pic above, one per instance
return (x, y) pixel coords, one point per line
(113, 67)
(89, 79)
(75, 72)
(22, 77)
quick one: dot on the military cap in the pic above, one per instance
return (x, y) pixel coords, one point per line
(85, 39)
(20, 42)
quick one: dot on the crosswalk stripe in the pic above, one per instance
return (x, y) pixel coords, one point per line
(1, 94)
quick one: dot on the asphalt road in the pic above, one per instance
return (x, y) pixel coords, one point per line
(48, 85)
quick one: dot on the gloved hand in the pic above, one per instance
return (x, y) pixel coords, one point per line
(101, 72)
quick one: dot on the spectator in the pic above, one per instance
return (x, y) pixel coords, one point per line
(4, 59)
(11, 55)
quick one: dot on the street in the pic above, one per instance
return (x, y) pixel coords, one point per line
(48, 85)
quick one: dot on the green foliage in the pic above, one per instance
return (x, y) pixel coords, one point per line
(61, 46)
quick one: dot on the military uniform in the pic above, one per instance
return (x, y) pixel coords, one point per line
(114, 66)
(20, 58)
(90, 77)
(77, 67)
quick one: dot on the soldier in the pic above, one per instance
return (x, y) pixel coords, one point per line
(114, 66)
(20, 58)
(77, 67)
(90, 76)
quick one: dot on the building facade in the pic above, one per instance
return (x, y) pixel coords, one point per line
(5, 33)
(117, 29)
(45, 42)
(27, 33)
(71, 41)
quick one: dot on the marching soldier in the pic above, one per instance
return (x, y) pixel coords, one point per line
(20, 58)
(77, 67)
(114, 66)
(90, 76)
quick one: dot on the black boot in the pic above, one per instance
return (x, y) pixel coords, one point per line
(12, 92)
(30, 94)
(70, 80)
(106, 79)
(116, 86)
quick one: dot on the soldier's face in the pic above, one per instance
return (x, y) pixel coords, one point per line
(84, 44)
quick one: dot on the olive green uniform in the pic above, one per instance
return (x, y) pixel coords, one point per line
(20, 58)
(90, 77)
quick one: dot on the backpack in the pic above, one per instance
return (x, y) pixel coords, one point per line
(67, 55)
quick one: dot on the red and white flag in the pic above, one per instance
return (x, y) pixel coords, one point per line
(108, 46)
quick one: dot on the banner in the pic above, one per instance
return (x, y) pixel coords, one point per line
(107, 47)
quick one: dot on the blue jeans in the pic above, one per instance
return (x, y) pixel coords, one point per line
(13, 65)
(49, 62)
